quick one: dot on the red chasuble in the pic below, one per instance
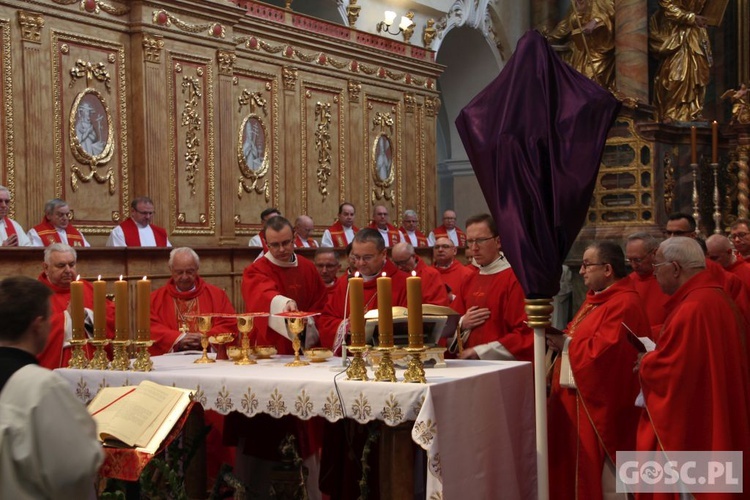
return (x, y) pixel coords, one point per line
(741, 268)
(394, 235)
(455, 276)
(695, 383)
(48, 234)
(334, 312)
(338, 236)
(310, 242)
(441, 231)
(132, 239)
(433, 288)
(170, 307)
(54, 356)
(10, 229)
(503, 295)
(421, 238)
(652, 298)
(589, 424)
(263, 280)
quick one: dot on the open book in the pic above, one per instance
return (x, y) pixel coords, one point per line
(437, 321)
(139, 416)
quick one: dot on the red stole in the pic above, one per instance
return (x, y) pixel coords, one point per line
(421, 238)
(338, 236)
(132, 239)
(48, 234)
(298, 242)
(394, 235)
(10, 229)
(441, 231)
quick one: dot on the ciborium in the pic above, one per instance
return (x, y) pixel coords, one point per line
(295, 327)
(204, 326)
(245, 325)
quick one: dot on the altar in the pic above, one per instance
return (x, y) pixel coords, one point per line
(474, 419)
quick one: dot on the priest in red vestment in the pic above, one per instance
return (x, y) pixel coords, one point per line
(341, 233)
(640, 249)
(59, 270)
(433, 288)
(303, 228)
(695, 383)
(410, 233)
(452, 272)
(56, 227)
(370, 260)
(390, 234)
(719, 249)
(493, 325)
(138, 230)
(281, 281)
(11, 232)
(449, 229)
(739, 234)
(327, 263)
(259, 240)
(185, 295)
(591, 415)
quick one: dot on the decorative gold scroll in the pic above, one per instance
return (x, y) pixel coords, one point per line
(90, 71)
(91, 141)
(323, 145)
(191, 118)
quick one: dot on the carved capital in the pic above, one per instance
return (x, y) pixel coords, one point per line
(31, 25)
(432, 105)
(226, 60)
(152, 47)
(289, 76)
(355, 88)
(410, 102)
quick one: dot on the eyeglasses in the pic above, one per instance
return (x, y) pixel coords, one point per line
(479, 241)
(62, 215)
(276, 246)
(327, 266)
(363, 258)
(737, 236)
(586, 265)
(659, 264)
(677, 233)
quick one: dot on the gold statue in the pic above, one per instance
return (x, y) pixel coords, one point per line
(740, 104)
(678, 38)
(429, 33)
(588, 31)
(352, 12)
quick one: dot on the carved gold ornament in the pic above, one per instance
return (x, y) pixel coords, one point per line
(152, 47)
(31, 26)
(289, 77)
(90, 71)
(323, 145)
(91, 138)
(191, 119)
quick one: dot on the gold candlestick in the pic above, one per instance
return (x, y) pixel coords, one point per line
(245, 325)
(295, 327)
(204, 326)
(120, 360)
(357, 369)
(386, 371)
(415, 370)
(99, 360)
(143, 361)
(78, 358)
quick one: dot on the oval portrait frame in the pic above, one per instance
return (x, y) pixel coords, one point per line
(86, 130)
(242, 154)
(382, 158)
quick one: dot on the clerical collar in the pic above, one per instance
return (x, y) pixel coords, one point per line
(596, 292)
(141, 226)
(291, 263)
(185, 291)
(500, 264)
(376, 275)
(444, 267)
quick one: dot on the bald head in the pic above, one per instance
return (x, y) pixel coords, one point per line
(402, 255)
(303, 226)
(720, 249)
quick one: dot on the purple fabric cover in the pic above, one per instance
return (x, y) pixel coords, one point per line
(535, 138)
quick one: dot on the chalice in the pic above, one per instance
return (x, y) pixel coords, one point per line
(204, 325)
(295, 327)
(245, 325)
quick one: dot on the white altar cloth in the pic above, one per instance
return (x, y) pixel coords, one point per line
(475, 419)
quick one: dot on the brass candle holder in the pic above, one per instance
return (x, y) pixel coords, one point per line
(386, 371)
(357, 370)
(78, 357)
(204, 326)
(120, 360)
(295, 327)
(99, 360)
(245, 325)
(143, 361)
(415, 370)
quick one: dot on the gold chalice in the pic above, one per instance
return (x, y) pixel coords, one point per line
(245, 325)
(295, 327)
(204, 326)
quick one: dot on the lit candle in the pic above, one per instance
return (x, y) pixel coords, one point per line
(357, 310)
(715, 142)
(385, 313)
(76, 309)
(122, 307)
(414, 309)
(100, 309)
(143, 305)
(693, 144)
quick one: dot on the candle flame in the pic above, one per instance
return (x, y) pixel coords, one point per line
(78, 278)
(99, 278)
(413, 273)
(144, 278)
(383, 274)
(356, 274)
(121, 277)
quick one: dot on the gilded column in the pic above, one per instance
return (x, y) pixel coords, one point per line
(631, 48)
(352, 187)
(225, 148)
(743, 152)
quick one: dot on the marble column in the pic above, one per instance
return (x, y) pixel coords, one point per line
(631, 48)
